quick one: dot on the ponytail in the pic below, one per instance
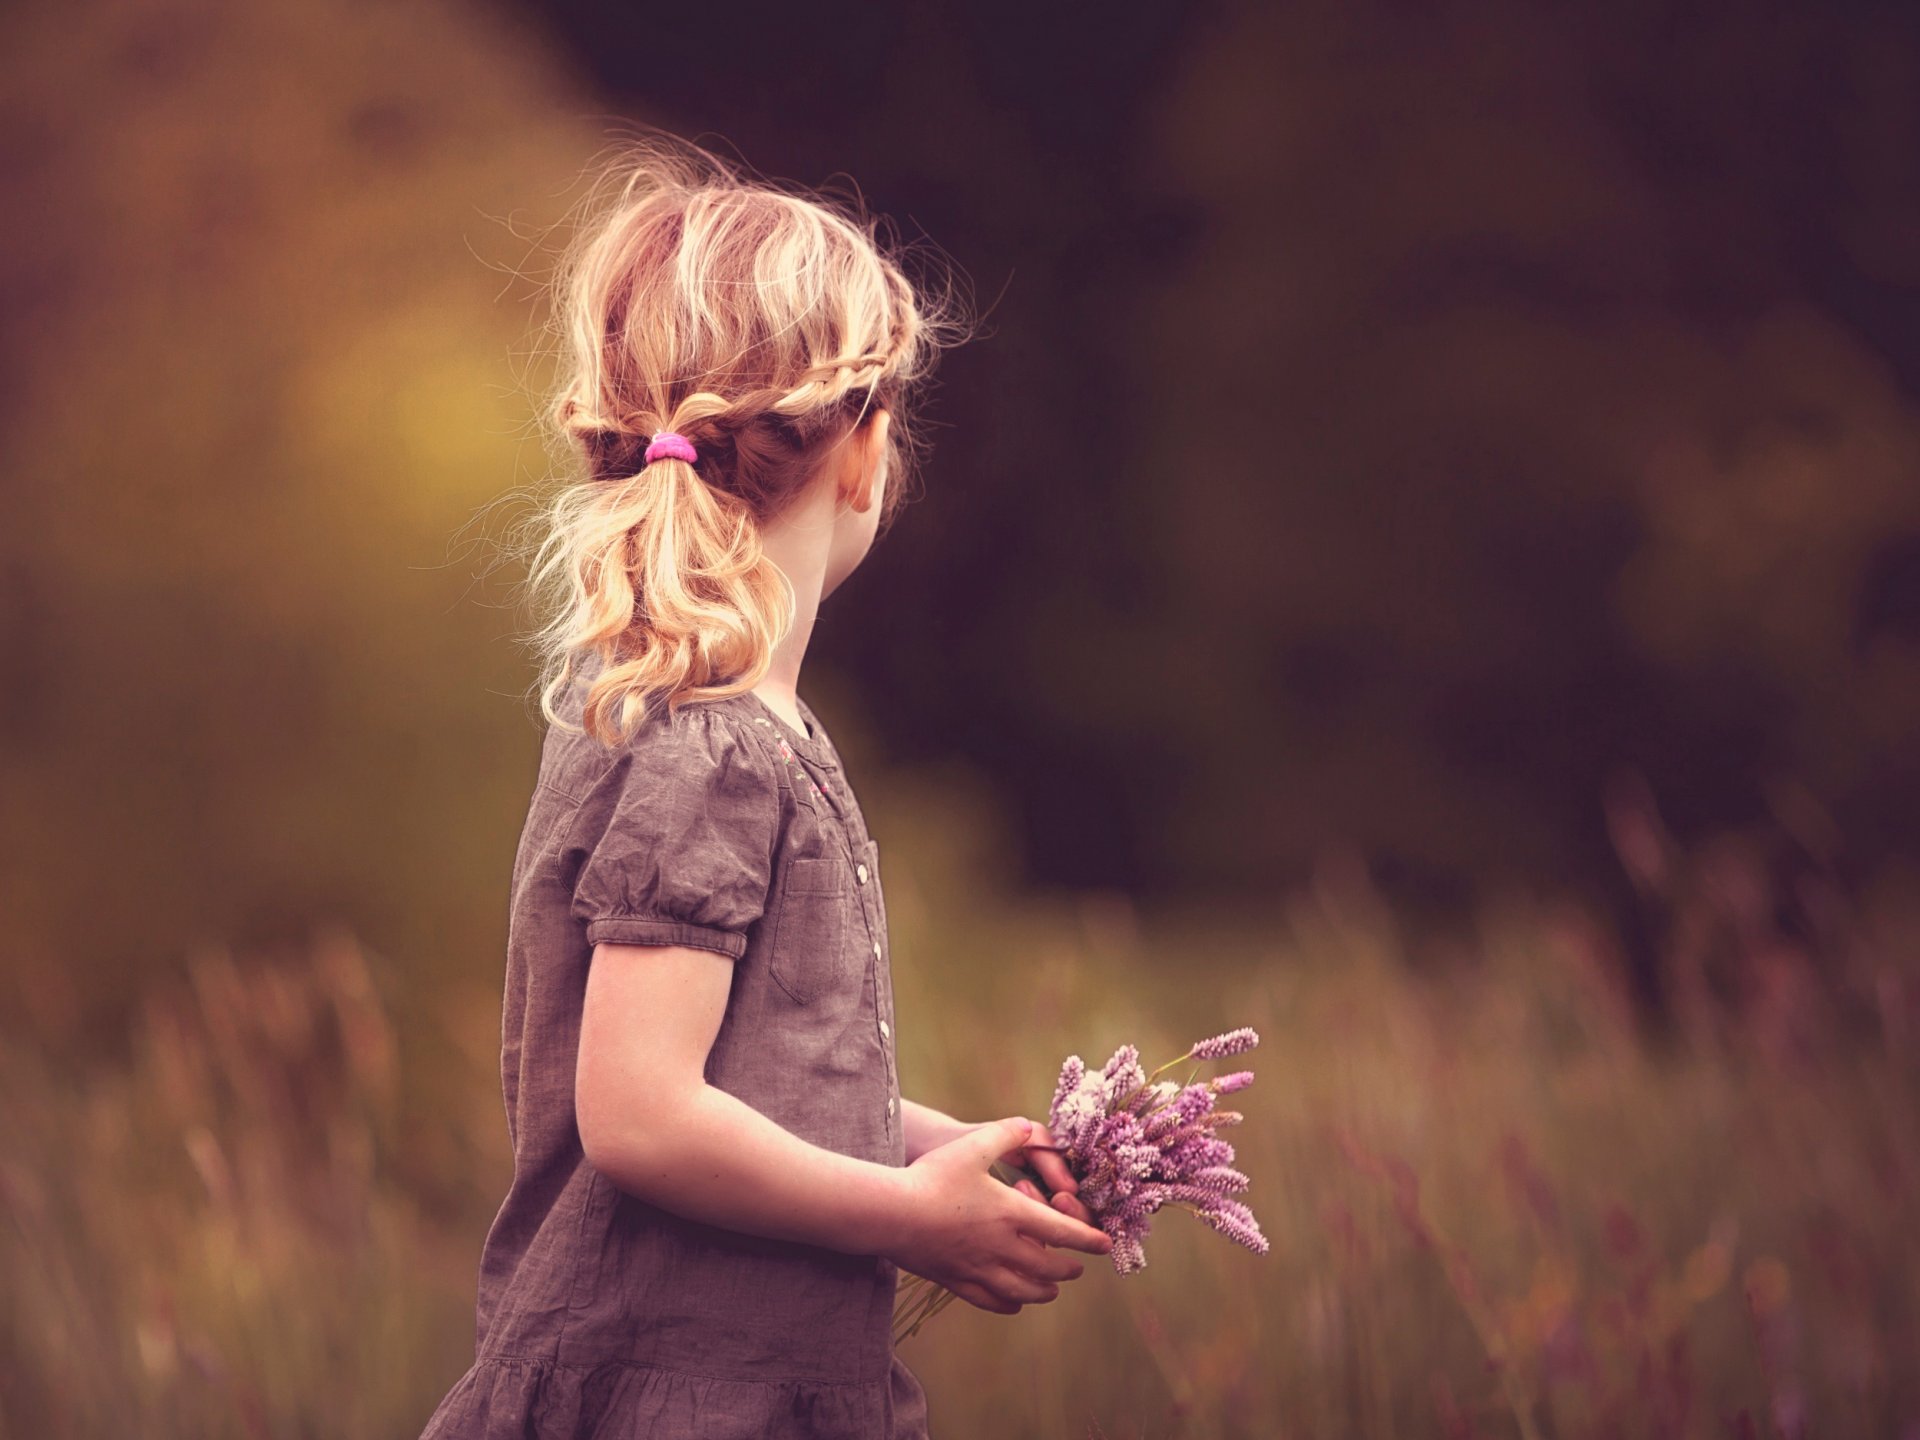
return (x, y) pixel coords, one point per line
(662, 548)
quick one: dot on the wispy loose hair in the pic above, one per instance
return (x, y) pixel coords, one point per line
(763, 322)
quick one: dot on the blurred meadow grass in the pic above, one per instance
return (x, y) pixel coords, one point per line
(1502, 1201)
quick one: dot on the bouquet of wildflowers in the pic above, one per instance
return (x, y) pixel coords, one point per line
(1134, 1143)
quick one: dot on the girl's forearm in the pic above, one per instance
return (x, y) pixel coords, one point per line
(926, 1128)
(707, 1155)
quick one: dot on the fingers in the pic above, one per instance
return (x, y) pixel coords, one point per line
(1052, 1227)
(1050, 1165)
(1061, 1200)
(1052, 1170)
(1070, 1205)
(1010, 1284)
(1031, 1274)
(1006, 1136)
(1041, 1262)
(978, 1295)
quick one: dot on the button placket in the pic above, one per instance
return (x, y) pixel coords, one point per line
(880, 988)
(870, 906)
(859, 852)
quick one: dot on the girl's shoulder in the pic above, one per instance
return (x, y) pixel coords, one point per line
(674, 835)
(702, 745)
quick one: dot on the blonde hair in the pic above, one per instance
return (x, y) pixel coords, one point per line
(765, 326)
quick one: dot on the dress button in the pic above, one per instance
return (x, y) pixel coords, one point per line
(883, 1028)
(860, 873)
(889, 1104)
(876, 949)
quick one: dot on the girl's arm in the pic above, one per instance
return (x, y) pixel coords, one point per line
(926, 1128)
(652, 1124)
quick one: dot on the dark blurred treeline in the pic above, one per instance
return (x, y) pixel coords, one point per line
(1398, 420)
(1393, 427)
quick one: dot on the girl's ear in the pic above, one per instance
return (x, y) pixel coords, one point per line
(873, 459)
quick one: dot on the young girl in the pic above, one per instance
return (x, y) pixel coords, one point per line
(716, 1181)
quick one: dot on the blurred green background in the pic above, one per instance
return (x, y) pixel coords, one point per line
(1423, 558)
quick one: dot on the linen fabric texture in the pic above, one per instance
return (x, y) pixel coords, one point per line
(598, 1314)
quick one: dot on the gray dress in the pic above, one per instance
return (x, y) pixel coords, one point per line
(599, 1314)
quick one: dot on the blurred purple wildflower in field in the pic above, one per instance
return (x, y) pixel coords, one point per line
(1136, 1143)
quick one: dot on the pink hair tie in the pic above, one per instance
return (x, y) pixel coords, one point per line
(665, 442)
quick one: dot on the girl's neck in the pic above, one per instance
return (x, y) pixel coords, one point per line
(799, 543)
(780, 686)
(784, 704)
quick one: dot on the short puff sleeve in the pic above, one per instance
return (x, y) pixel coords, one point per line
(679, 837)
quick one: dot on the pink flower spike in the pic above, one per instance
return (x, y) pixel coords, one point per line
(1233, 1042)
(1236, 1228)
(1227, 1084)
(1129, 1258)
(1072, 1071)
(1221, 1179)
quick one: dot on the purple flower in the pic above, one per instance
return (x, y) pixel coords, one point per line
(1078, 1111)
(1197, 1151)
(1071, 1074)
(1128, 1255)
(1237, 1225)
(1150, 1097)
(1136, 1144)
(1191, 1103)
(1233, 1042)
(1220, 1179)
(1123, 1073)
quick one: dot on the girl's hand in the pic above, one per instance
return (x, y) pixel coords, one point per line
(1040, 1156)
(989, 1243)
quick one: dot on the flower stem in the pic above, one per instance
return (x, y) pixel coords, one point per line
(1171, 1063)
(1149, 1080)
(924, 1301)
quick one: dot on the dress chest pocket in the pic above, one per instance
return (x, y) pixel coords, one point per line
(816, 947)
